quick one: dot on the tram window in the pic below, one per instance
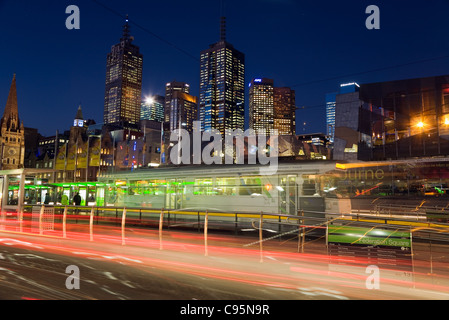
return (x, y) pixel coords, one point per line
(308, 186)
(226, 186)
(250, 186)
(203, 187)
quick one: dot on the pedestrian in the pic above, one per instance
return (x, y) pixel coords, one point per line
(47, 198)
(64, 199)
(77, 199)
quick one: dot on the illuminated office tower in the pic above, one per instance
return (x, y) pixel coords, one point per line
(152, 108)
(170, 89)
(123, 82)
(222, 87)
(261, 105)
(183, 111)
(331, 99)
(284, 108)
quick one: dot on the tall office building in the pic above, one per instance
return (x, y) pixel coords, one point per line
(152, 108)
(222, 87)
(331, 99)
(271, 108)
(284, 105)
(261, 104)
(331, 103)
(183, 111)
(170, 89)
(123, 82)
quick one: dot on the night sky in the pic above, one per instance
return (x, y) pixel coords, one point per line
(311, 46)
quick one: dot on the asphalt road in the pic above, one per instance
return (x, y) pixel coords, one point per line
(179, 268)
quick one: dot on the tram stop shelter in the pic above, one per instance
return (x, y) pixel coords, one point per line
(13, 187)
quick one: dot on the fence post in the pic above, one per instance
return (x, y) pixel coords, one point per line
(299, 235)
(260, 236)
(123, 226)
(303, 232)
(21, 220)
(206, 221)
(41, 215)
(91, 224)
(161, 220)
(64, 220)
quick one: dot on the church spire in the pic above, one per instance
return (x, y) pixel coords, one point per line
(79, 114)
(11, 104)
(11, 113)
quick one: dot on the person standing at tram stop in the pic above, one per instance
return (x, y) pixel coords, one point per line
(77, 199)
(47, 198)
(64, 199)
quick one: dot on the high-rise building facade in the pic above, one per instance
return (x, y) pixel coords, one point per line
(271, 108)
(284, 105)
(170, 89)
(123, 90)
(222, 86)
(331, 99)
(152, 108)
(183, 111)
(393, 120)
(261, 104)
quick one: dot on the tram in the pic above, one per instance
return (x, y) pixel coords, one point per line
(300, 186)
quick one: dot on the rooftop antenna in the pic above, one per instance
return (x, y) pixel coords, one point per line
(222, 22)
(126, 29)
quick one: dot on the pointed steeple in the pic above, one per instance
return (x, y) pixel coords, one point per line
(79, 114)
(11, 113)
(11, 104)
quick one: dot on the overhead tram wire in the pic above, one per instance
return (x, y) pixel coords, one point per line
(369, 71)
(146, 30)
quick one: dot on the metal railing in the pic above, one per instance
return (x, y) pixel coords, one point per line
(263, 226)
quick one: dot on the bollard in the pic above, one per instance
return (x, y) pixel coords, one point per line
(64, 221)
(123, 226)
(206, 222)
(91, 224)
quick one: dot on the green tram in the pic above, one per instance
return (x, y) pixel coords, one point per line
(309, 186)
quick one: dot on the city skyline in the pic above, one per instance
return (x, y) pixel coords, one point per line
(311, 48)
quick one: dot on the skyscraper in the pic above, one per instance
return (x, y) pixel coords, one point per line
(123, 82)
(331, 99)
(170, 89)
(222, 87)
(12, 133)
(284, 106)
(261, 104)
(271, 108)
(183, 111)
(152, 108)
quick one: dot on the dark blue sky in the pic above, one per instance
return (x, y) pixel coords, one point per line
(296, 43)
